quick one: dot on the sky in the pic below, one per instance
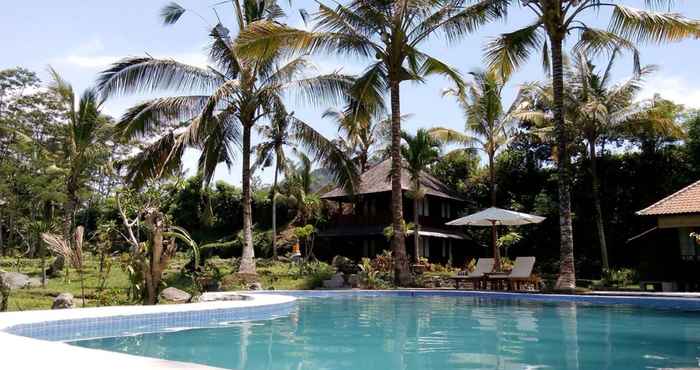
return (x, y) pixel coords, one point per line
(80, 38)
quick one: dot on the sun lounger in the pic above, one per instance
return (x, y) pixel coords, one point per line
(476, 277)
(519, 277)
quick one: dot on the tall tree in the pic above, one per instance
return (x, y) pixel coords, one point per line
(221, 105)
(421, 150)
(285, 131)
(488, 127)
(604, 108)
(555, 21)
(82, 141)
(366, 140)
(390, 34)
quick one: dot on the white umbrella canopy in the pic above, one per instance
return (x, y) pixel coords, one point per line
(497, 216)
(494, 217)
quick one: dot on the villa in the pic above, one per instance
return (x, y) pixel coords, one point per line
(677, 216)
(357, 224)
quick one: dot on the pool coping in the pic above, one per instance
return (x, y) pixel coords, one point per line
(24, 350)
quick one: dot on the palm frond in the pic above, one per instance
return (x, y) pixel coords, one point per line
(509, 51)
(324, 151)
(146, 74)
(644, 26)
(171, 13)
(147, 117)
(432, 66)
(265, 40)
(161, 158)
(449, 136)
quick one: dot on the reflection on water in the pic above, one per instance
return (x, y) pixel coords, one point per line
(435, 333)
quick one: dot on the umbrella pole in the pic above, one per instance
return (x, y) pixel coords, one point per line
(496, 252)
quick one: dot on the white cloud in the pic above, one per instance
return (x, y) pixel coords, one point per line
(674, 88)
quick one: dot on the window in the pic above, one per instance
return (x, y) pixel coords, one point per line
(424, 207)
(446, 209)
(425, 246)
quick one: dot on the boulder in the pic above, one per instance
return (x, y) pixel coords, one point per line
(34, 283)
(175, 295)
(64, 300)
(14, 280)
(255, 286)
(336, 282)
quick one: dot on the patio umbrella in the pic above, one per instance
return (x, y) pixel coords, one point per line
(493, 217)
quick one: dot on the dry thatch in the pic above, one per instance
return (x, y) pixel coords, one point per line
(376, 180)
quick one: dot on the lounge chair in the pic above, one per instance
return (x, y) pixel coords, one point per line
(520, 276)
(476, 277)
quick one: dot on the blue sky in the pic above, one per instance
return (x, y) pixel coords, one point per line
(79, 38)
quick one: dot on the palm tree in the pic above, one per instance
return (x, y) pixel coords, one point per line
(603, 109)
(220, 101)
(81, 143)
(595, 109)
(364, 139)
(421, 150)
(284, 131)
(488, 127)
(389, 34)
(554, 21)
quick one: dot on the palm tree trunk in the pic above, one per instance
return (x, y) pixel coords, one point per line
(492, 175)
(402, 275)
(248, 256)
(416, 231)
(274, 216)
(597, 206)
(567, 275)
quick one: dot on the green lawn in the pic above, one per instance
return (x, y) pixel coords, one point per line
(275, 275)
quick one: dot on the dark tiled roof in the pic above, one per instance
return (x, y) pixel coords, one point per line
(684, 201)
(376, 180)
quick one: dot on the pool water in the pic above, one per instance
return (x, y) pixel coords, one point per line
(411, 333)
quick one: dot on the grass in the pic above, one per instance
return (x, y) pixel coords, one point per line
(272, 275)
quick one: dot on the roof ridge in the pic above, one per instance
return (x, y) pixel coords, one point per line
(669, 198)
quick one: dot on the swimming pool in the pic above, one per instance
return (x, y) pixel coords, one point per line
(424, 330)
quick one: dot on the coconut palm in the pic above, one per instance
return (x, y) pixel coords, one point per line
(421, 150)
(488, 127)
(595, 109)
(389, 34)
(81, 143)
(603, 109)
(220, 106)
(555, 21)
(285, 131)
(364, 139)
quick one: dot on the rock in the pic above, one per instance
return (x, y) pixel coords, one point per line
(14, 280)
(175, 295)
(34, 283)
(354, 281)
(336, 282)
(64, 300)
(345, 265)
(221, 296)
(255, 286)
